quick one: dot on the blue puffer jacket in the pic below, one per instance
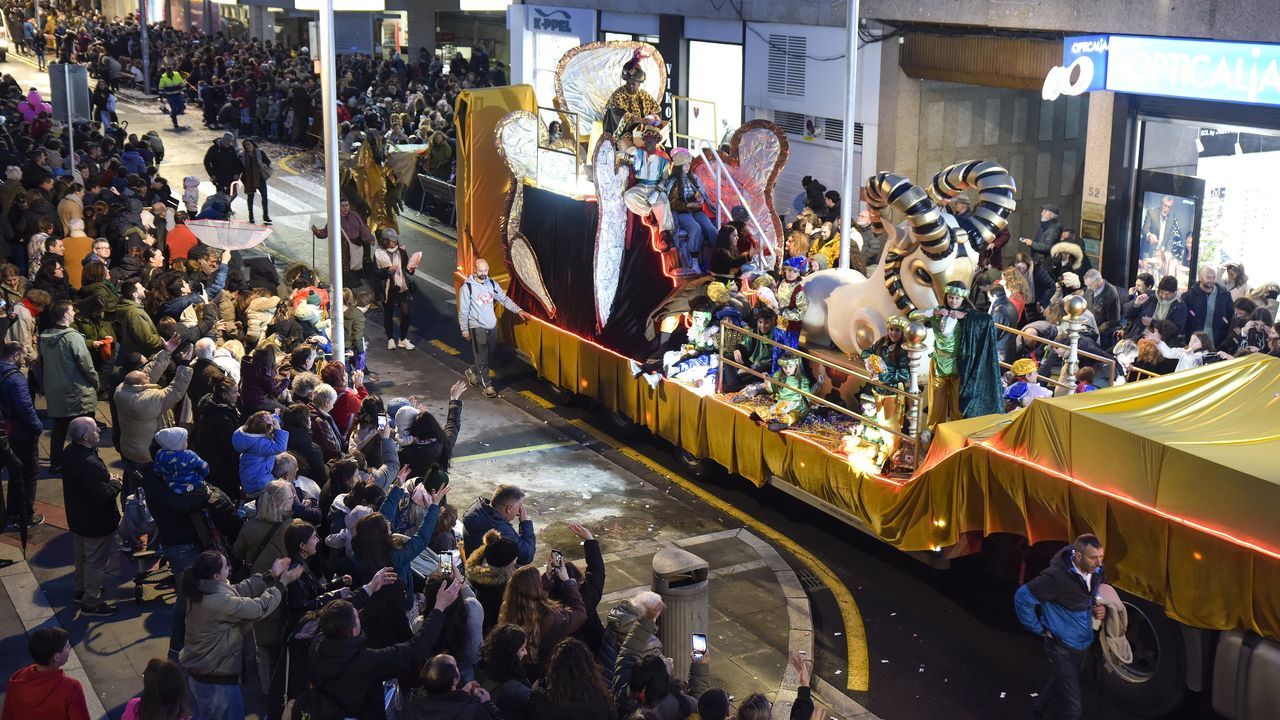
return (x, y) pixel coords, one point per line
(1057, 600)
(258, 457)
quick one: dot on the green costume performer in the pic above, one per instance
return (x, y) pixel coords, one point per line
(966, 364)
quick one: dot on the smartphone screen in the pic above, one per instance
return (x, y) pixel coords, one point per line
(699, 643)
(382, 421)
(446, 563)
(557, 557)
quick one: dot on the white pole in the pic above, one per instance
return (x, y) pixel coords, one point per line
(329, 110)
(146, 55)
(848, 201)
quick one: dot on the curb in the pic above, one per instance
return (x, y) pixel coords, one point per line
(34, 612)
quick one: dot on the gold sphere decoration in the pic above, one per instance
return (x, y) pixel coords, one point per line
(1075, 306)
(916, 333)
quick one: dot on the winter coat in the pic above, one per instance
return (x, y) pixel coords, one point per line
(489, 584)
(402, 556)
(258, 457)
(558, 625)
(482, 518)
(218, 624)
(35, 694)
(136, 331)
(89, 493)
(16, 405)
(259, 313)
(453, 705)
(204, 372)
(325, 433)
(105, 290)
(180, 467)
(592, 590)
(1059, 601)
(349, 676)
(253, 536)
(345, 408)
(422, 455)
(676, 705)
(215, 423)
(310, 458)
(180, 518)
(70, 380)
(145, 409)
(511, 697)
(222, 163)
(353, 321)
(258, 384)
(1046, 236)
(621, 621)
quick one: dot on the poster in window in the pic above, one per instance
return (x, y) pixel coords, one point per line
(1168, 227)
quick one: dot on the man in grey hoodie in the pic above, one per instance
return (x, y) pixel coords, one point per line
(479, 322)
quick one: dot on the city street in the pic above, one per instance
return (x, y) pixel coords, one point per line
(890, 637)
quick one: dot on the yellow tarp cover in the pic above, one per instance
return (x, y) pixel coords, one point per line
(1179, 475)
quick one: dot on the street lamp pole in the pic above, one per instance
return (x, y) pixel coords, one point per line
(329, 112)
(146, 55)
(847, 199)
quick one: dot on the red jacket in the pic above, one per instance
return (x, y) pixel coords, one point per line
(348, 404)
(35, 694)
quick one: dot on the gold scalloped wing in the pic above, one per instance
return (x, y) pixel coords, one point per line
(588, 74)
(757, 153)
(516, 136)
(611, 232)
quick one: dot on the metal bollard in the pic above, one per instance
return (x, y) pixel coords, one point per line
(680, 578)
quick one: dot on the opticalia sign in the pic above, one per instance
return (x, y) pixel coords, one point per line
(1198, 69)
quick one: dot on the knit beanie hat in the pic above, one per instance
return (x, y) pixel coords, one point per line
(499, 551)
(172, 438)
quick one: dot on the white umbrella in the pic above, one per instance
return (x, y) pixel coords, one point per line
(229, 234)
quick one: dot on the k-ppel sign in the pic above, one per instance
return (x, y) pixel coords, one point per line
(1196, 69)
(539, 18)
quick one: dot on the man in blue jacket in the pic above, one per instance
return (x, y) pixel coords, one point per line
(23, 427)
(500, 512)
(1060, 605)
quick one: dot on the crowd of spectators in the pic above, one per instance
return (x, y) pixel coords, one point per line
(266, 90)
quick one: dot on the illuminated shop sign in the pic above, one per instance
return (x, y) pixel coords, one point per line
(1196, 69)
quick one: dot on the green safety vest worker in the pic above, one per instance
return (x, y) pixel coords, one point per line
(171, 81)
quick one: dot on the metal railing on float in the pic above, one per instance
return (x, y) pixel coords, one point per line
(1074, 322)
(911, 400)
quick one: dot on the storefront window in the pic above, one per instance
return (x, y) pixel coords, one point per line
(715, 76)
(1205, 199)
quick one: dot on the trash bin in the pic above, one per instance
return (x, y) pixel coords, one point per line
(680, 578)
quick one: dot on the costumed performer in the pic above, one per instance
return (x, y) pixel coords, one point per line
(867, 440)
(646, 196)
(1026, 386)
(888, 360)
(789, 403)
(792, 301)
(966, 366)
(630, 105)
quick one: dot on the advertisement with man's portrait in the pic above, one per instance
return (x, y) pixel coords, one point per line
(1167, 232)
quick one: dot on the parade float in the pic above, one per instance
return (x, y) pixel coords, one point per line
(597, 272)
